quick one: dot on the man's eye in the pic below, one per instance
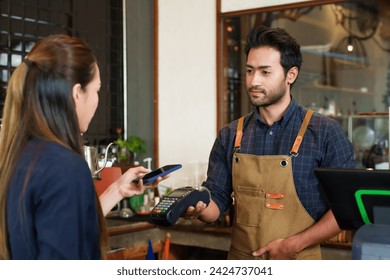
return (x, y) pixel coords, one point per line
(249, 71)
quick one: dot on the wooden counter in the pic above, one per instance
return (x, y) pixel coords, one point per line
(130, 237)
(188, 240)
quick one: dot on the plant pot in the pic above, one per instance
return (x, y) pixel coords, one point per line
(126, 157)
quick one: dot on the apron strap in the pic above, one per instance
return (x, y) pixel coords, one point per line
(298, 139)
(240, 126)
(301, 133)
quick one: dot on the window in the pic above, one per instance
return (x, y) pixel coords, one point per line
(23, 22)
(333, 80)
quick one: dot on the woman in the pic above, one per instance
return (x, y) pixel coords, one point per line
(48, 205)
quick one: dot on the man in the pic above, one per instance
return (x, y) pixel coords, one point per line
(264, 162)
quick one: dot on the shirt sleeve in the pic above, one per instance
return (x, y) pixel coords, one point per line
(219, 174)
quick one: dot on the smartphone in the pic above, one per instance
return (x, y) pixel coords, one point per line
(159, 172)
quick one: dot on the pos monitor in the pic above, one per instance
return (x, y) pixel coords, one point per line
(356, 196)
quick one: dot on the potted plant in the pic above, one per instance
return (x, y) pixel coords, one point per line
(129, 149)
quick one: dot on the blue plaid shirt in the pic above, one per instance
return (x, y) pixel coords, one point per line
(324, 144)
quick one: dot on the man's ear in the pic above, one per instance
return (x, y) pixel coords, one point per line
(76, 92)
(292, 75)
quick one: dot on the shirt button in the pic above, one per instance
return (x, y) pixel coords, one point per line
(271, 133)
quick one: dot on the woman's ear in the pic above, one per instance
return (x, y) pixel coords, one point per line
(76, 93)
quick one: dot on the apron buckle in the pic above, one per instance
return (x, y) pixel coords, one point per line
(235, 152)
(293, 154)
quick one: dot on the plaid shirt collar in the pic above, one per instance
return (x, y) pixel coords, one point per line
(292, 107)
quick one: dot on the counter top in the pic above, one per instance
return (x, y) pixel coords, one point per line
(116, 226)
(136, 231)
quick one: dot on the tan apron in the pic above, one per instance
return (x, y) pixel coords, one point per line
(266, 204)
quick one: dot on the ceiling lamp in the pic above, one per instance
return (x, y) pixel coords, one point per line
(350, 53)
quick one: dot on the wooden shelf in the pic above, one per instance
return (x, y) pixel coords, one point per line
(337, 245)
(335, 89)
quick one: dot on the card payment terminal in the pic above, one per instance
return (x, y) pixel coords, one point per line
(172, 206)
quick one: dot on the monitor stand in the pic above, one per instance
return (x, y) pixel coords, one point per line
(372, 241)
(381, 215)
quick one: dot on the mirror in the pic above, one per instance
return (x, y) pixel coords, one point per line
(346, 57)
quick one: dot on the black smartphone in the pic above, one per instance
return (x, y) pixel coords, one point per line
(159, 172)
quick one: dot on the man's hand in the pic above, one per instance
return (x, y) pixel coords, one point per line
(193, 213)
(279, 249)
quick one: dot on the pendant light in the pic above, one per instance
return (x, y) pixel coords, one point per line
(350, 52)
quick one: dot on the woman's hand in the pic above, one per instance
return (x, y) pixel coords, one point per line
(125, 187)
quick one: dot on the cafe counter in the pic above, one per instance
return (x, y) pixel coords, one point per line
(187, 239)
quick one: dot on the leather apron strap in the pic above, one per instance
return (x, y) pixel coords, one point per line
(301, 133)
(240, 126)
(298, 139)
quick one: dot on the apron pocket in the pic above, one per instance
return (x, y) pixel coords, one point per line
(248, 201)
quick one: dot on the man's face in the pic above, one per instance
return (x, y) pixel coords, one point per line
(265, 79)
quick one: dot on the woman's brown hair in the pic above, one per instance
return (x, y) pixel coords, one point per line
(39, 103)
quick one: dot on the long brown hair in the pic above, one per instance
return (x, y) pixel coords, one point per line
(39, 103)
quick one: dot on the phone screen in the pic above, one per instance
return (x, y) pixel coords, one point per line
(154, 173)
(162, 171)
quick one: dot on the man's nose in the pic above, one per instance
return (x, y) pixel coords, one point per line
(255, 79)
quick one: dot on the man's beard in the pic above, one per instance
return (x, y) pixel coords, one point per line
(267, 98)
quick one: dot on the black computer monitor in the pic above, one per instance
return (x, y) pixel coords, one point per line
(356, 196)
